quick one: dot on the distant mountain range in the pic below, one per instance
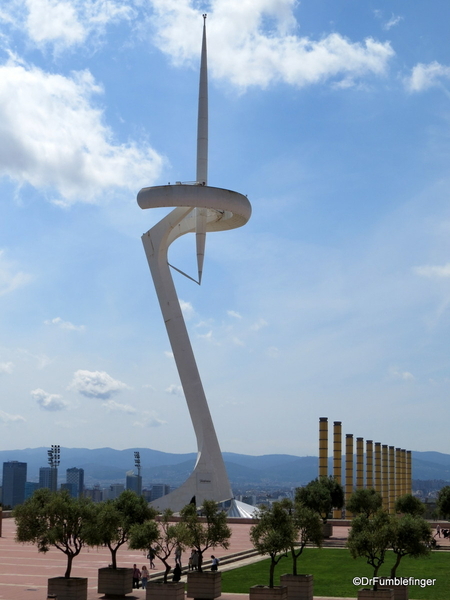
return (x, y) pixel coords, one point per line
(105, 466)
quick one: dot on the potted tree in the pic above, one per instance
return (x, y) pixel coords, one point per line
(322, 495)
(370, 537)
(111, 528)
(274, 535)
(308, 528)
(56, 519)
(411, 536)
(162, 538)
(210, 530)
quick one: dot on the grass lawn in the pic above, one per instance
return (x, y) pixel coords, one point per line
(334, 569)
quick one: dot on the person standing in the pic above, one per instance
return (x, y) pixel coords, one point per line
(144, 577)
(136, 577)
(178, 556)
(176, 573)
(214, 563)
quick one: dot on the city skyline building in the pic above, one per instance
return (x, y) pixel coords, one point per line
(13, 486)
(75, 477)
(48, 478)
(197, 208)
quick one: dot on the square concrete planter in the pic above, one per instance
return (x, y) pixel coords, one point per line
(68, 588)
(383, 594)
(165, 591)
(400, 591)
(300, 587)
(262, 592)
(204, 586)
(115, 582)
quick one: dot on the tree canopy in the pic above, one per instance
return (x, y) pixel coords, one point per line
(411, 536)
(371, 537)
(54, 519)
(322, 495)
(365, 501)
(114, 520)
(307, 526)
(210, 532)
(161, 537)
(409, 505)
(443, 502)
(274, 534)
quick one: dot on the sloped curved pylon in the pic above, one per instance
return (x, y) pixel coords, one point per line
(224, 210)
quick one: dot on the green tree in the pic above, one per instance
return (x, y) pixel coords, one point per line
(114, 520)
(371, 538)
(322, 495)
(160, 537)
(443, 502)
(365, 501)
(411, 535)
(409, 505)
(274, 535)
(54, 519)
(307, 527)
(210, 531)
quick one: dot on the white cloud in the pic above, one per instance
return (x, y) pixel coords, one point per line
(63, 23)
(238, 342)
(393, 21)
(111, 405)
(6, 367)
(426, 76)
(168, 353)
(187, 309)
(48, 401)
(177, 390)
(53, 138)
(254, 43)
(8, 418)
(149, 419)
(64, 324)
(259, 325)
(437, 272)
(234, 314)
(10, 279)
(96, 384)
(404, 375)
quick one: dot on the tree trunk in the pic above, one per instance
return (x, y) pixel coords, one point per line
(272, 571)
(397, 562)
(69, 565)
(114, 557)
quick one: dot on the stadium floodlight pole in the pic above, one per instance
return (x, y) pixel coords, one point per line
(197, 209)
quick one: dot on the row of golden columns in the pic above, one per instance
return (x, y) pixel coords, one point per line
(387, 470)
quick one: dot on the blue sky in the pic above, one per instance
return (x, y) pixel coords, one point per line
(332, 116)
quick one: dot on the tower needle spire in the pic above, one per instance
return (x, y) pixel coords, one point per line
(202, 153)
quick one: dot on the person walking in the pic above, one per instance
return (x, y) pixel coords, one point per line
(178, 556)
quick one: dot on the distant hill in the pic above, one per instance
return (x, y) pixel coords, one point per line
(106, 465)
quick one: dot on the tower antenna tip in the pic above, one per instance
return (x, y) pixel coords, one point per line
(204, 16)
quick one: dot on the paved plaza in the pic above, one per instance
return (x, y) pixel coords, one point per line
(24, 571)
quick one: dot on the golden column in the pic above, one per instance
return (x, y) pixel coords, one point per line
(391, 479)
(348, 469)
(359, 463)
(408, 472)
(337, 459)
(378, 467)
(323, 447)
(403, 472)
(385, 476)
(369, 464)
(398, 473)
